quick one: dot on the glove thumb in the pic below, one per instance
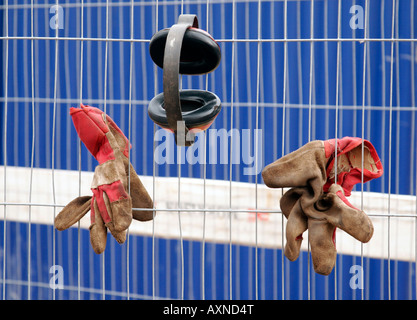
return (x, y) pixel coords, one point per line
(72, 212)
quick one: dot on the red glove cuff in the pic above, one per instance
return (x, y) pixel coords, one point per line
(91, 125)
(347, 180)
(114, 191)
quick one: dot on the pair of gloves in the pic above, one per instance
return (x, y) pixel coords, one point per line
(116, 187)
(317, 199)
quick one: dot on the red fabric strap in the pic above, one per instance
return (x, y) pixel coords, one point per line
(92, 129)
(343, 198)
(114, 192)
(98, 193)
(349, 179)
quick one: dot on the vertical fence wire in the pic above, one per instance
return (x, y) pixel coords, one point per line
(255, 142)
(53, 145)
(413, 137)
(6, 95)
(203, 240)
(79, 145)
(154, 166)
(32, 149)
(284, 101)
(310, 101)
(365, 47)
(103, 255)
(232, 97)
(181, 240)
(391, 85)
(397, 133)
(336, 118)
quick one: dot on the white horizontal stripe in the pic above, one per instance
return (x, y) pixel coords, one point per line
(217, 210)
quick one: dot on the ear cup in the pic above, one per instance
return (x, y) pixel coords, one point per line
(199, 109)
(200, 53)
(191, 51)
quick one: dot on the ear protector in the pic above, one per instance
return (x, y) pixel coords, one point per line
(184, 49)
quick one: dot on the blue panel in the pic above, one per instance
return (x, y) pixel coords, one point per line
(168, 270)
(55, 143)
(20, 116)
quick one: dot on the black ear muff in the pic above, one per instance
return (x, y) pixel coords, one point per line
(200, 53)
(199, 109)
(184, 49)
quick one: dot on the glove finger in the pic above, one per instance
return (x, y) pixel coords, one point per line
(98, 231)
(296, 226)
(118, 204)
(298, 168)
(345, 216)
(323, 252)
(140, 198)
(288, 201)
(118, 234)
(72, 212)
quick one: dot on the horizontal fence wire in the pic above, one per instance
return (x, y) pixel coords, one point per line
(291, 71)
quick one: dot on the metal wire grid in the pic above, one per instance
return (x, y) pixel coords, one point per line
(232, 103)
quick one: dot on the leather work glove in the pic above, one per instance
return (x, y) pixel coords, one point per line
(331, 211)
(114, 178)
(317, 201)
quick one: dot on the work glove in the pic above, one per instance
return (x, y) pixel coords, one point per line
(116, 187)
(317, 198)
(331, 211)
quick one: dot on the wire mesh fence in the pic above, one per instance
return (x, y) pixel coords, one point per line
(291, 72)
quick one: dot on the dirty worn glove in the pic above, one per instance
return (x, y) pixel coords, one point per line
(315, 202)
(111, 204)
(331, 211)
(313, 166)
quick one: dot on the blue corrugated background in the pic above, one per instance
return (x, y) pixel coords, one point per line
(168, 271)
(391, 131)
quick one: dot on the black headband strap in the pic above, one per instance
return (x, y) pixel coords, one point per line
(172, 102)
